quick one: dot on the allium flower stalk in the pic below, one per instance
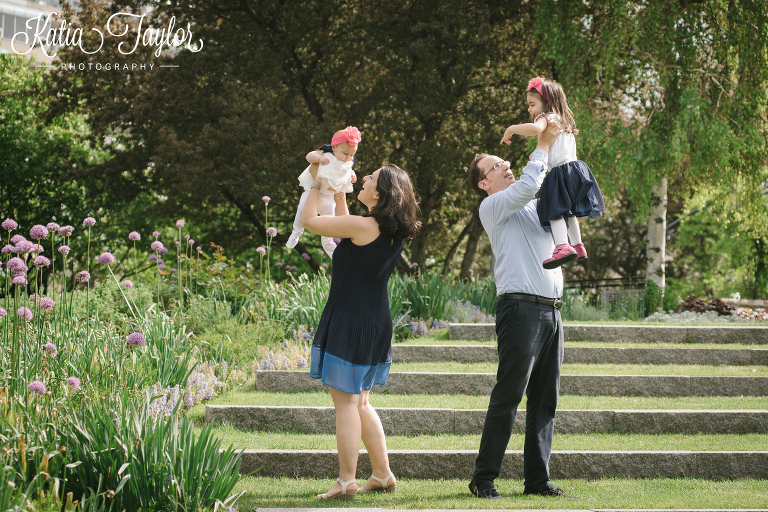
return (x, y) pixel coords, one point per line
(9, 224)
(38, 232)
(37, 386)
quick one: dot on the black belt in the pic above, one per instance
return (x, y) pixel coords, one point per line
(536, 299)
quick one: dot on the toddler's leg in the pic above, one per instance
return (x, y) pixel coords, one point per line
(327, 208)
(563, 252)
(574, 234)
(298, 229)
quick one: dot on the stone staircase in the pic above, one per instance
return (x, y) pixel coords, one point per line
(435, 464)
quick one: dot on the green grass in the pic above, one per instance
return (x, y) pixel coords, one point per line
(596, 369)
(589, 344)
(245, 396)
(664, 442)
(451, 494)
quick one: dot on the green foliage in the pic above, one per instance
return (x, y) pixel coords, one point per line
(654, 297)
(577, 308)
(109, 304)
(430, 295)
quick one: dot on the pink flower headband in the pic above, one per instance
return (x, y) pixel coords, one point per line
(537, 84)
(350, 135)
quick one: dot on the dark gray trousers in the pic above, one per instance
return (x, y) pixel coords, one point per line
(530, 338)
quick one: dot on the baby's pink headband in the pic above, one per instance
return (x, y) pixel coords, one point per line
(537, 84)
(350, 135)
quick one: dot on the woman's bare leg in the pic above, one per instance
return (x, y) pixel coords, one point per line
(347, 437)
(375, 442)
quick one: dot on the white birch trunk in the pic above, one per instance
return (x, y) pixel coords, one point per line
(655, 251)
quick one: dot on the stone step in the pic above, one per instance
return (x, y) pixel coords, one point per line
(438, 464)
(589, 355)
(482, 384)
(633, 333)
(405, 421)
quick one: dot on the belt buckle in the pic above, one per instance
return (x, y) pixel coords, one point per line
(558, 303)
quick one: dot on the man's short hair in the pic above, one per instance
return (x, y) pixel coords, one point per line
(476, 175)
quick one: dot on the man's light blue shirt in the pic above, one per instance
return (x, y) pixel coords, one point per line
(519, 243)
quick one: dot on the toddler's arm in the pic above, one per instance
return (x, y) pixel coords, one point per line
(526, 129)
(316, 157)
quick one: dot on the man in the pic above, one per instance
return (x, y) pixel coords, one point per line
(528, 324)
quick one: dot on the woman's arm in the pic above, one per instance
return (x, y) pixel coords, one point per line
(361, 230)
(527, 129)
(341, 204)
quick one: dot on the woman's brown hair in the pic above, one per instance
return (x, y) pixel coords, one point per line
(397, 211)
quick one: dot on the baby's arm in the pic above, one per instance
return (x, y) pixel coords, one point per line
(526, 129)
(316, 157)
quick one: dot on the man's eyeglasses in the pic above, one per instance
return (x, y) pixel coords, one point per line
(496, 167)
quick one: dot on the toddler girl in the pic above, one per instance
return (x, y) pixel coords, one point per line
(570, 190)
(335, 170)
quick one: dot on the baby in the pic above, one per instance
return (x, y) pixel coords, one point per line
(334, 167)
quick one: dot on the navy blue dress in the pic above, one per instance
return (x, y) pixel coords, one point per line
(352, 348)
(569, 190)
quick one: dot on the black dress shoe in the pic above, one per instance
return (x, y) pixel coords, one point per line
(552, 491)
(489, 493)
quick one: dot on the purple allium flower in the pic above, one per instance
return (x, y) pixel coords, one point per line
(46, 303)
(178, 243)
(38, 232)
(163, 250)
(199, 249)
(42, 261)
(160, 261)
(279, 264)
(190, 241)
(173, 270)
(106, 258)
(271, 231)
(324, 265)
(52, 226)
(305, 336)
(25, 313)
(179, 223)
(3, 312)
(305, 256)
(153, 257)
(186, 237)
(74, 383)
(37, 387)
(38, 248)
(156, 245)
(51, 349)
(266, 199)
(155, 234)
(64, 249)
(16, 264)
(89, 221)
(25, 246)
(17, 238)
(261, 250)
(162, 267)
(19, 280)
(134, 236)
(8, 248)
(136, 339)
(128, 283)
(414, 265)
(83, 277)
(9, 224)
(66, 230)
(337, 240)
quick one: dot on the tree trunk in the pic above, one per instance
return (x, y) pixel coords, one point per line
(452, 251)
(475, 232)
(655, 251)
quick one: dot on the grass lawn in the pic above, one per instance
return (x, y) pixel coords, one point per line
(589, 344)
(452, 494)
(602, 442)
(595, 369)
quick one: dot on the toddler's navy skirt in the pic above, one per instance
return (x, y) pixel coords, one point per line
(569, 190)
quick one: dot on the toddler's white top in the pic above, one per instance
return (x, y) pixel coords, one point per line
(336, 175)
(563, 149)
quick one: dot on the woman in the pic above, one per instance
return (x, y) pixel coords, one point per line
(352, 349)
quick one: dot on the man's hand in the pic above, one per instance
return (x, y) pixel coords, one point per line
(548, 136)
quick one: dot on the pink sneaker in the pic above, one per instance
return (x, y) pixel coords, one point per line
(581, 251)
(563, 254)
